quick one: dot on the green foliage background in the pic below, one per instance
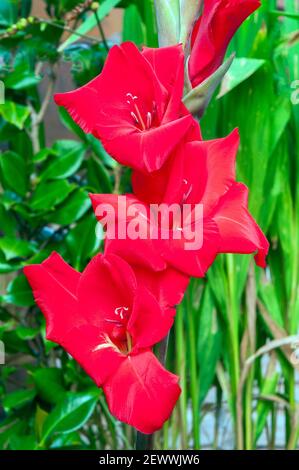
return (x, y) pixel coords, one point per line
(46, 401)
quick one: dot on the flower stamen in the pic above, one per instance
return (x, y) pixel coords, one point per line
(136, 114)
(119, 311)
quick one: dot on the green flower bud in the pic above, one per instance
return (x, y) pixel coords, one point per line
(94, 6)
(23, 23)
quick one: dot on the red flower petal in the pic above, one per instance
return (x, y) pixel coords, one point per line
(196, 261)
(53, 283)
(239, 232)
(142, 393)
(166, 184)
(136, 251)
(214, 161)
(108, 283)
(165, 62)
(89, 347)
(148, 323)
(168, 65)
(143, 150)
(178, 182)
(168, 286)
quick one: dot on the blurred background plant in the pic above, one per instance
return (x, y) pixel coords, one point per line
(233, 342)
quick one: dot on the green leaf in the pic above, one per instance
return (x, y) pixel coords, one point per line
(82, 242)
(8, 222)
(90, 23)
(269, 387)
(68, 157)
(19, 292)
(22, 442)
(13, 168)
(285, 14)
(18, 399)
(100, 152)
(49, 384)
(42, 155)
(16, 248)
(69, 415)
(27, 333)
(98, 176)
(50, 193)
(22, 77)
(9, 267)
(72, 208)
(133, 27)
(68, 122)
(8, 12)
(209, 343)
(14, 113)
(239, 71)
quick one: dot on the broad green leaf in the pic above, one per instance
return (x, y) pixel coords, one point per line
(239, 71)
(18, 398)
(100, 152)
(82, 242)
(22, 442)
(67, 441)
(269, 387)
(285, 14)
(16, 248)
(98, 176)
(40, 417)
(269, 297)
(68, 157)
(133, 27)
(14, 113)
(8, 222)
(27, 333)
(42, 155)
(49, 384)
(70, 124)
(13, 168)
(9, 267)
(71, 209)
(50, 193)
(209, 343)
(8, 12)
(19, 292)
(22, 78)
(70, 414)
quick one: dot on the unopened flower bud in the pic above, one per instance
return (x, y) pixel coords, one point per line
(94, 6)
(22, 23)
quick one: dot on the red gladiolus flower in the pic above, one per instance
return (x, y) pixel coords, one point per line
(226, 223)
(134, 106)
(212, 34)
(109, 323)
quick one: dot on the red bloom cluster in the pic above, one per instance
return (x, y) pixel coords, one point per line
(110, 316)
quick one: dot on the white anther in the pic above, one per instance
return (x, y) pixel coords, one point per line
(120, 311)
